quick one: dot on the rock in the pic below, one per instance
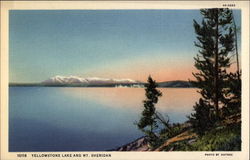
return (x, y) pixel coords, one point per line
(141, 144)
(191, 141)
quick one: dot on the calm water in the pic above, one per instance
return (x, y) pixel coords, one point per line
(84, 119)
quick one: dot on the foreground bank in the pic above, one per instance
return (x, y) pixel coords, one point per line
(225, 136)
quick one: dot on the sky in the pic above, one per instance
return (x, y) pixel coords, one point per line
(102, 43)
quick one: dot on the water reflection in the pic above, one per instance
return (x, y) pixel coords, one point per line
(84, 119)
(178, 100)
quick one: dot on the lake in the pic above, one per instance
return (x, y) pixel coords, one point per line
(85, 119)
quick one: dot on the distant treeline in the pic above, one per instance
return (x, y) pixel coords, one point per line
(168, 84)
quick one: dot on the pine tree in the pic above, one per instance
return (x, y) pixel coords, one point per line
(202, 119)
(236, 48)
(234, 81)
(215, 42)
(233, 94)
(148, 121)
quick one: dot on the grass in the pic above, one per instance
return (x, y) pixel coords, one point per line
(223, 138)
(227, 138)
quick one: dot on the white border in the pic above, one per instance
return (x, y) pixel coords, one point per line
(27, 5)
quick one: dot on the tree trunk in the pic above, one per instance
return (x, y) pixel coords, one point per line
(236, 49)
(163, 121)
(216, 78)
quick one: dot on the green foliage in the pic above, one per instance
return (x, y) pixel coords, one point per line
(154, 140)
(172, 131)
(227, 138)
(232, 143)
(178, 146)
(215, 42)
(203, 118)
(220, 92)
(233, 93)
(148, 122)
(221, 137)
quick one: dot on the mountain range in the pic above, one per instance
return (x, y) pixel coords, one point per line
(76, 81)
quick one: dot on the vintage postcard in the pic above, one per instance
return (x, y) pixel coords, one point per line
(118, 80)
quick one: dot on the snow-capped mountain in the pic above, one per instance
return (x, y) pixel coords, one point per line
(57, 80)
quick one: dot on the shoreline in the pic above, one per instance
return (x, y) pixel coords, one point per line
(227, 132)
